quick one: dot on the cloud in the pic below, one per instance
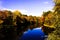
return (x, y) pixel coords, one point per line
(8, 9)
(24, 11)
(46, 2)
(37, 28)
(33, 13)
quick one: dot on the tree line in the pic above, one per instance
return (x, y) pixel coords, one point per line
(13, 24)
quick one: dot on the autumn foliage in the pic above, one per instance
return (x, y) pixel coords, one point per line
(15, 23)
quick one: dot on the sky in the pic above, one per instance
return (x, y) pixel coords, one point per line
(29, 7)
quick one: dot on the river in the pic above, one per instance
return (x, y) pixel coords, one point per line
(35, 34)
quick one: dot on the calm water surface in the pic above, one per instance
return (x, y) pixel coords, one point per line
(35, 34)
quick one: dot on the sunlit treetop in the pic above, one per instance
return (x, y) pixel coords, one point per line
(18, 13)
(56, 1)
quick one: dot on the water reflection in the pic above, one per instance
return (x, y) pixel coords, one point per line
(35, 34)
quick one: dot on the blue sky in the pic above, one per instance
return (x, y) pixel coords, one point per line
(29, 7)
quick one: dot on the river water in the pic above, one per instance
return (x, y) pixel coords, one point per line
(35, 34)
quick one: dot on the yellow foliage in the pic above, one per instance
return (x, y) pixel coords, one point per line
(18, 13)
(52, 26)
(1, 21)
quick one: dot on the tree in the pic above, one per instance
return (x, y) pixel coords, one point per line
(55, 35)
(56, 1)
